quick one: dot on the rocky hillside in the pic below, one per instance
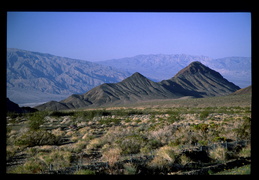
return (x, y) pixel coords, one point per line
(200, 81)
(195, 80)
(38, 77)
(247, 90)
(12, 107)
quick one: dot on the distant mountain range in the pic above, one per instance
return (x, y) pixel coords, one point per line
(160, 66)
(196, 80)
(34, 78)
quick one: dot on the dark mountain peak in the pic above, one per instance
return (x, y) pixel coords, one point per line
(201, 81)
(136, 77)
(197, 67)
(196, 63)
(193, 67)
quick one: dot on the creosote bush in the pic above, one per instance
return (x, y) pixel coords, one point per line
(35, 120)
(36, 137)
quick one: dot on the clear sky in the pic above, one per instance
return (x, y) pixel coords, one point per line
(97, 36)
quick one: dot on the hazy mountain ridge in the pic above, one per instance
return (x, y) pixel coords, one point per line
(160, 66)
(195, 80)
(53, 75)
(34, 77)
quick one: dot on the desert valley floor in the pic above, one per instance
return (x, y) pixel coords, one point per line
(167, 137)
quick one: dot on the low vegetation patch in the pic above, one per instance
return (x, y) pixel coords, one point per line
(126, 141)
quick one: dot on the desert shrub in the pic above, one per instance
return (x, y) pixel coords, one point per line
(151, 144)
(11, 150)
(245, 152)
(174, 117)
(203, 142)
(162, 135)
(90, 114)
(167, 152)
(134, 112)
(13, 115)
(165, 156)
(204, 114)
(109, 121)
(34, 138)
(184, 159)
(185, 135)
(57, 158)
(94, 143)
(79, 146)
(244, 131)
(85, 172)
(111, 154)
(218, 154)
(219, 138)
(35, 120)
(31, 166)
(129, 169)
(117, 133)
(61, 113)
(130, 144)
(202, 127)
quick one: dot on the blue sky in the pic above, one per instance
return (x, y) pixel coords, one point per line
(96, 36)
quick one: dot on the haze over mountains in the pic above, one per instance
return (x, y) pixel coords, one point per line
(160, 66)
(35, 78)
(196, 80)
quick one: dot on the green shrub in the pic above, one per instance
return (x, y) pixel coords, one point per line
(217, 139)
(204, 114)
(184, 159)
(131, 144)
(244, 130)
(61, 113)
(31, 166)
(57, 158)
(203, 142)
(110, 120)
(85, 172)
(35, 120)
(129, 169)
(34, 138)
(245, 152)
(174, 118)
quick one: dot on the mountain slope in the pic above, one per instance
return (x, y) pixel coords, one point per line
(200, 81)
(194, 80)
(247, 90)
(160, 66)
(132, 89)
(37, 77)
(13, 107)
